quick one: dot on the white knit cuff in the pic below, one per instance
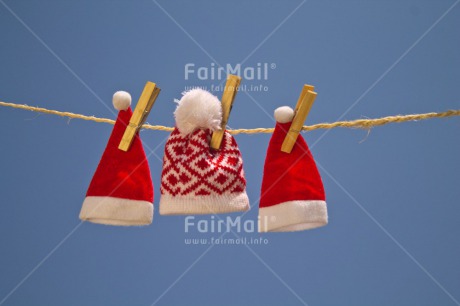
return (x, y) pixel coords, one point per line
(185, 205)
(292, 216)
(116, 211)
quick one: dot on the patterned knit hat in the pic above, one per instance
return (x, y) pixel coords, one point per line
(121, 191)
(292, 196)
(197, 179)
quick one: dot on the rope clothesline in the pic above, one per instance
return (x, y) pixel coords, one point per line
(359, 123)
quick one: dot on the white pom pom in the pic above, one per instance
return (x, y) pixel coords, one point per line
(198, 109)
(284, 114)
(121, 100)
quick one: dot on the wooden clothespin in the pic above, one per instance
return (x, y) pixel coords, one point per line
(142, 110)
(304, 104)
(228, 96)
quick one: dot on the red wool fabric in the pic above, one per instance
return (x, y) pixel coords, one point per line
(289, 176)
(122, 174)
(192, 168)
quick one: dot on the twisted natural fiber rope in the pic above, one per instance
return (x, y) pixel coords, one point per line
(359, 123)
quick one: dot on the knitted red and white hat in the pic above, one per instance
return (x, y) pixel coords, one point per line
(121, 191)
(197, 179)
(292, 195)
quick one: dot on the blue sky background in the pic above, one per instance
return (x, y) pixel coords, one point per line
(393, 199)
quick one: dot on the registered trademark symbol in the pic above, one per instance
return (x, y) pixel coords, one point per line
(272, 65)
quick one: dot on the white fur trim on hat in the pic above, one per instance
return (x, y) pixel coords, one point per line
(284, 114)
(121, 100)
(116, 211)
(226, 203)
(198, 109)
(293, 216)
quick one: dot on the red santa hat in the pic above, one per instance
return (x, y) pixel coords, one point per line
(121, 191)
(292, 195)
(195, 178)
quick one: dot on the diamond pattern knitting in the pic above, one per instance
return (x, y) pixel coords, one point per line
(191, 168)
